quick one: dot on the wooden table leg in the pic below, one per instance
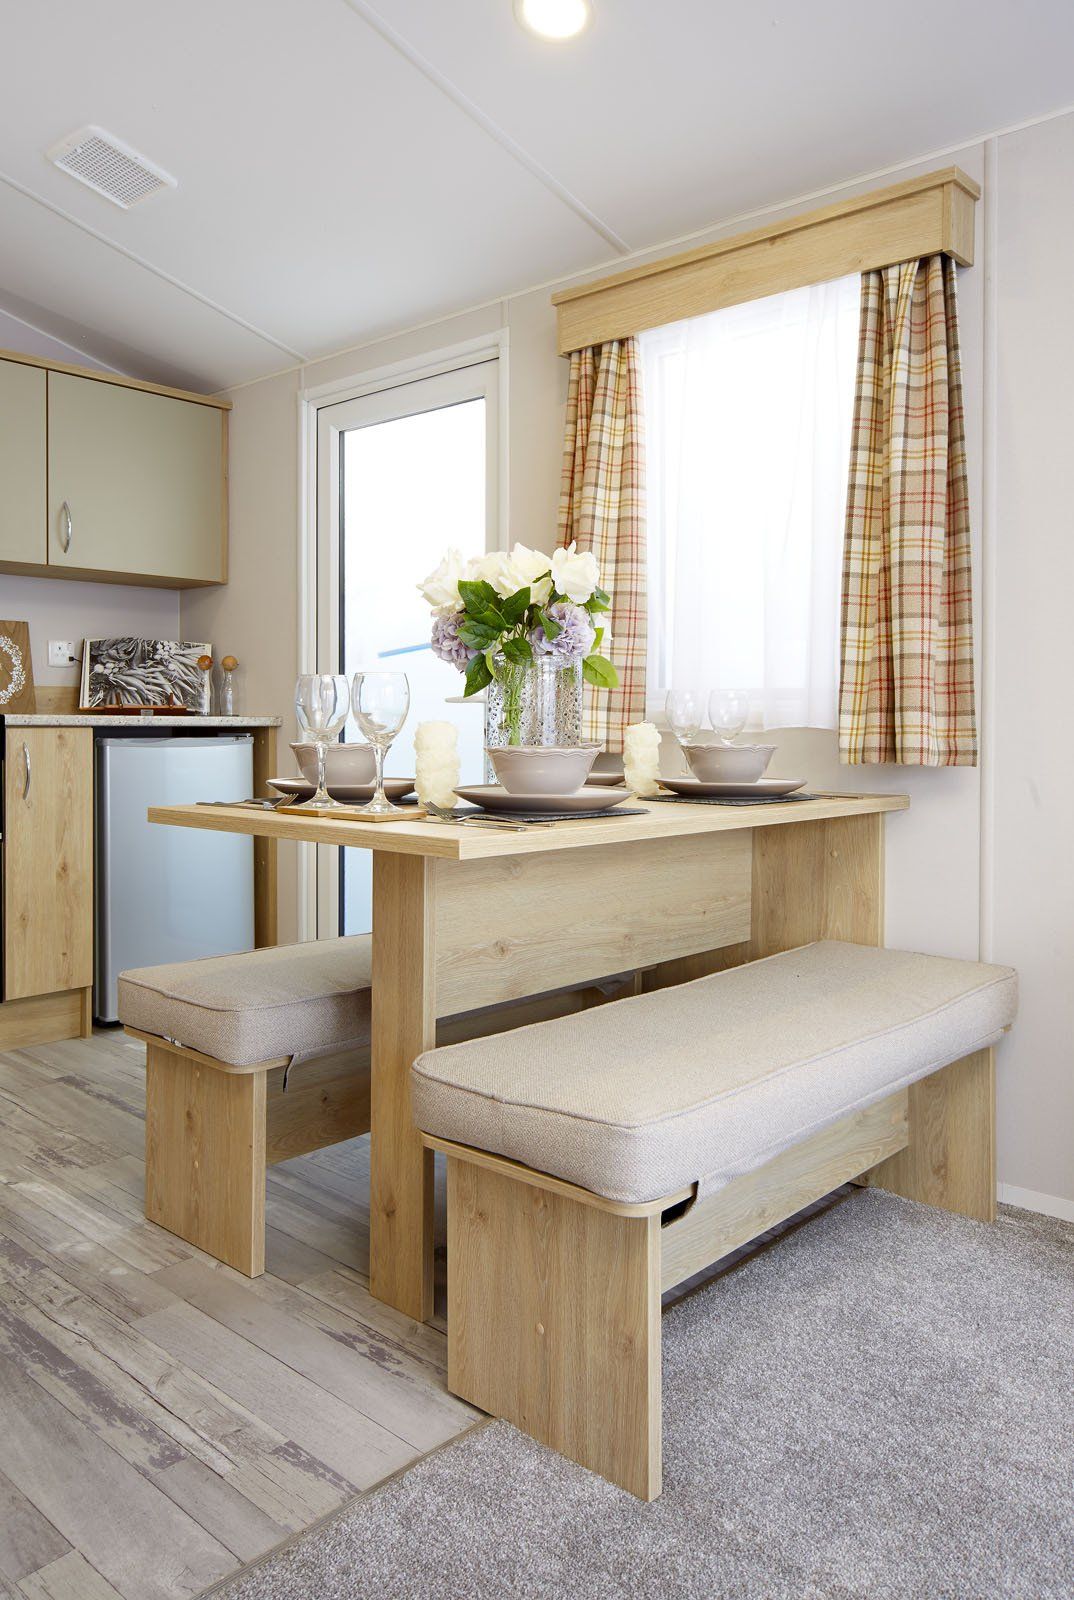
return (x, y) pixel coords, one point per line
(404, 1024)
(811, 880)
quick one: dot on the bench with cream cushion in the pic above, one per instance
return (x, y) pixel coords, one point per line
(597, 1160)
(250, 1059)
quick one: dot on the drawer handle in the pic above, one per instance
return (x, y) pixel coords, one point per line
(29, 774)
(66, 527)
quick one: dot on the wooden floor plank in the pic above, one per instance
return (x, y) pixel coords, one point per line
(384, 1389)
(204, 1422)
(127, 1529)
(27, 1539)
(69, 1578)
(213, 1416)
(357, 1451)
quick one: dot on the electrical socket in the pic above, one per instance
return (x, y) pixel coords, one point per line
(62, 653)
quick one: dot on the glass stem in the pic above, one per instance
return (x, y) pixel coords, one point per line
(322, 758)
(379, 752)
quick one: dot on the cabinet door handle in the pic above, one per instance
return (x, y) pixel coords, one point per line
(66, 527)
(29, 774)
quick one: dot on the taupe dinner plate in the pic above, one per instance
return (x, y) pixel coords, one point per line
(350, 794)
(490, 797)
(607, 780)
(772, 787)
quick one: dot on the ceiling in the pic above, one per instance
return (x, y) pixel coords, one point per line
(350, 167)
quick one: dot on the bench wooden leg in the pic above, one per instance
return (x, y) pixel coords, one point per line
(950, 1160)
(205, 1157)
(554, 1321)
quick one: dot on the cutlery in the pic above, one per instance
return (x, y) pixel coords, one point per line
(260, 805)
(444, 814)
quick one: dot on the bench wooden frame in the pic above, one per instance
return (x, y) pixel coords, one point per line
(213, 1129)
(554, 1292)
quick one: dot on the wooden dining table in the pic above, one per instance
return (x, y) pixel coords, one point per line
(467, 920)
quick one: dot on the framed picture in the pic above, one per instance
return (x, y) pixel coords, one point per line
(16, 668)
(141, 675)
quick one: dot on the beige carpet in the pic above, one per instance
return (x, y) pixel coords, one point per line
(878, 1407)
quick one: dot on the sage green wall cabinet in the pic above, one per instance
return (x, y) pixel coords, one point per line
(110, 480)
(22, 463)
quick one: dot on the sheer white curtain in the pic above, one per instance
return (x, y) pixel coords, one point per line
(748, 416)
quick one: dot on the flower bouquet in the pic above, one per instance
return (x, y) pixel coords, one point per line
(501, 616)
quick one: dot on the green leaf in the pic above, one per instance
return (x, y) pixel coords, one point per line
(599, 600)
(479, 635)
(599, 671)
(552, 628)
(478, 676)
(514, 607)
(518, 649)
(597, 637)
(477, 595)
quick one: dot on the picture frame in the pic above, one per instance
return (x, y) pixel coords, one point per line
(16, 668)
(130, 675)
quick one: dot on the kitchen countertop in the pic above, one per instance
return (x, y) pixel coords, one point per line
(90, 719)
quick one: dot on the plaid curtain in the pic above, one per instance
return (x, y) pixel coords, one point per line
(602, 507)
(906, 691)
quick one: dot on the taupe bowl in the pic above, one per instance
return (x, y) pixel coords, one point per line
(729, 763)
(345, 763)
(542, 769)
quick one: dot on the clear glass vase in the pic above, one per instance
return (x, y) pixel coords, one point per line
(534, 703)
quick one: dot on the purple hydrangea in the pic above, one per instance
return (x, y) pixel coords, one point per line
(575, 638)
(446, 642)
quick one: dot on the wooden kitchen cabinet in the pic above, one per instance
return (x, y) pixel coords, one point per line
(135, 482)
(22, 463)
(110, 479)
(48, 868)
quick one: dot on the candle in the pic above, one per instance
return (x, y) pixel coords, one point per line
(641, 757)
(436, 763)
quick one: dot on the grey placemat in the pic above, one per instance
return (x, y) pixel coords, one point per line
(549, 816)
(731, 800)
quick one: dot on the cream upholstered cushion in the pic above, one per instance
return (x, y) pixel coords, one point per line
(289, 1000)
(705, 1081)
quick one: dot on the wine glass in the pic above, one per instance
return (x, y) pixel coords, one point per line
(380, 702)
(685, 714)
(728, 713)
(322, 700)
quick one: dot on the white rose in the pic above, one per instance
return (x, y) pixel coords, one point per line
(575, 573)
(441, 588)
(528, 568)
(490, 568)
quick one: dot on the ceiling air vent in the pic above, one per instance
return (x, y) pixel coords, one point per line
(109, 166)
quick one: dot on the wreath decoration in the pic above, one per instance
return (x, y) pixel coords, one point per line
(17, 681)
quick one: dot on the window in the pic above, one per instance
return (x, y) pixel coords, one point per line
(748, 419)
(404, 473)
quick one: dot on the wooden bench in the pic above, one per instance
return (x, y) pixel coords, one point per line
(257, 1057)
(596, 1161)
(250, 1059)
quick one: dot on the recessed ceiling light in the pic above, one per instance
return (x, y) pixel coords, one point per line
(553, 19)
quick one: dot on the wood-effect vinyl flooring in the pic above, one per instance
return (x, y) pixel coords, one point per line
(163, 1420)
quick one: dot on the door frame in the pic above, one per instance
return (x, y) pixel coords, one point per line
(313, 651)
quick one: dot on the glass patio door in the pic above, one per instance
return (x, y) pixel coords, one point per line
(403, 474)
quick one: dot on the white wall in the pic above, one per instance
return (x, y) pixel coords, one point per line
(1029, 842)
(54, 607)
(946, 891)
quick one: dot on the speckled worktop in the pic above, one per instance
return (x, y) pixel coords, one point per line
(89, 719)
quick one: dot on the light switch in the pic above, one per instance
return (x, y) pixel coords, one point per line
(63, 653)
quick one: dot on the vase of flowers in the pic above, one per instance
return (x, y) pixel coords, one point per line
(526, 627)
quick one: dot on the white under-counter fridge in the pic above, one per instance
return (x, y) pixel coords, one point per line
(168, 894)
